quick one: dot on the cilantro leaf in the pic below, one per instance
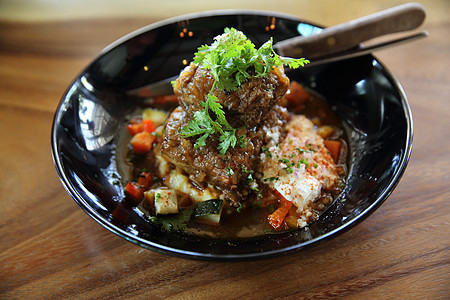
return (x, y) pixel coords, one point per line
(227, 139)
(176, 222)
(198, 125)
(216, 107)
(231, 60)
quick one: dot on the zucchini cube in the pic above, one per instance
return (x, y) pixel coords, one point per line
(209, 211)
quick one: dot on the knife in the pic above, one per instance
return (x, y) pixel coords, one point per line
(339, 42)
(347, 35)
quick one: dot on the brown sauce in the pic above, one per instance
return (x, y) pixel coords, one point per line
(252, 220)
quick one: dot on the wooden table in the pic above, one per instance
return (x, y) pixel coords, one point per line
(49, 248)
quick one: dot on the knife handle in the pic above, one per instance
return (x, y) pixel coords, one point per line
(349, 34)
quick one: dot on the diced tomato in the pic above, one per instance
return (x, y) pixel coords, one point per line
(145, 179)
(334, 147)
(142, 142)
(135, 190)
(276, 218)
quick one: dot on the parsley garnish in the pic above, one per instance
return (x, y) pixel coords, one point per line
(176, 222)
(231, 56)
(231, 60)
(266, 151)
(202, 124)
(270, 179)
(304, 161)
(230, 171)
(284, 160)
(239, 209)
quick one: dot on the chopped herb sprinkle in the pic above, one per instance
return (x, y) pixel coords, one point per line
(239, 209)
(230, 171)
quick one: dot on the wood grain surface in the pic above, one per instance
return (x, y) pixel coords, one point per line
(51, 249)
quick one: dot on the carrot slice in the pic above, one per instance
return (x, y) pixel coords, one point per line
(334, 147)
(134, 128)
(148, 125)
(137, 126)
(277, 217)
(296, 94)
(142, 142)
(135, 190)
(145, 179)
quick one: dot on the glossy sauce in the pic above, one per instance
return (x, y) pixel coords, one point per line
(252, 221)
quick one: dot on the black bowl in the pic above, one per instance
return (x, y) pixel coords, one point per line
(91, 115)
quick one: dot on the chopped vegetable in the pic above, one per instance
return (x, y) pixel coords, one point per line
(137, 126)
(135, 190)
(334, 147)
(148, 125)
(209, 211)
(134, 127)
(296, 96)
(157, 116)
(142, 142)
(165, 201)
(145, 179)
(291, 220)
(276, 218)
(325, 131)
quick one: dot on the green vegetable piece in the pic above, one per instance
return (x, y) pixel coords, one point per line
(208, 211)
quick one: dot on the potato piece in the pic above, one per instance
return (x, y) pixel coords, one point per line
(165, 201)
(157, 116)
(325, 131)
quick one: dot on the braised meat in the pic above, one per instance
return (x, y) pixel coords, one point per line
(231, 147)
(229, 172)
(245, 107)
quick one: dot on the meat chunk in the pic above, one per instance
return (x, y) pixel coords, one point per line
(230, 172)
(245, 107)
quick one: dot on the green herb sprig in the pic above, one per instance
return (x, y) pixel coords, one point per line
(232, 57)
(231, 60)
(202, 124)
(176, 222)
